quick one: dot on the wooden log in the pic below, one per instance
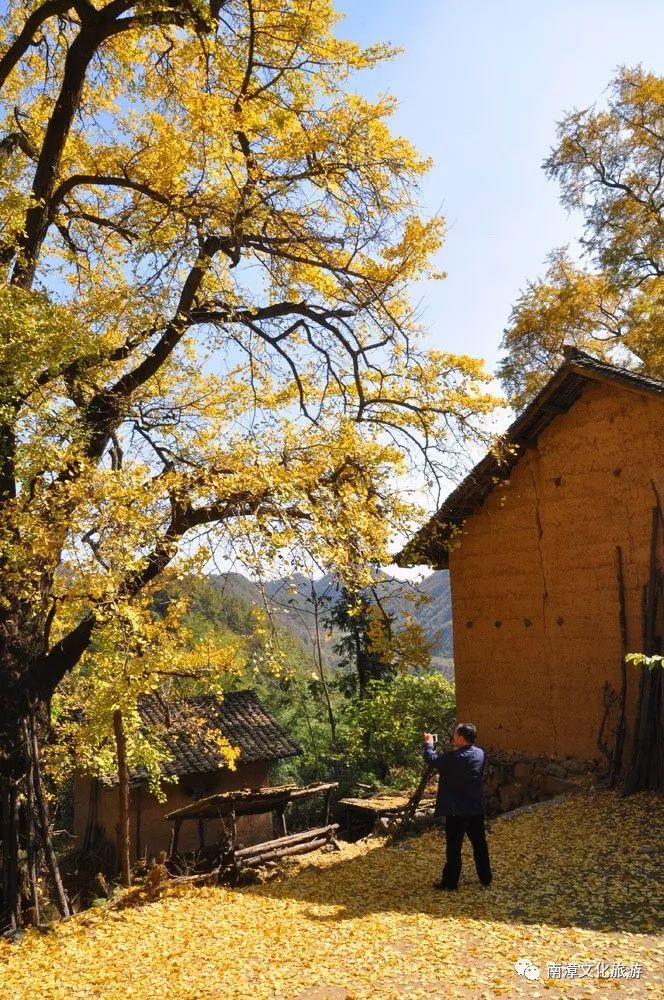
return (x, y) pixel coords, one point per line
(293, 838)
(204, 878)
(276, 853)
(308, 790)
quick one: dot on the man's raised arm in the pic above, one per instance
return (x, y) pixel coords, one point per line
(429, 752)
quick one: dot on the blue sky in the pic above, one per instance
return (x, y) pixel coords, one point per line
(480, 87)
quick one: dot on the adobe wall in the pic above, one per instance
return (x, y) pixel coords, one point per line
(534, 587)
(150, 832)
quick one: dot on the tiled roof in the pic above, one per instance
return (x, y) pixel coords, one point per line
(429, 545)
(188, 728)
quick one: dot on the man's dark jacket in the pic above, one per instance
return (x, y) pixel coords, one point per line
(461, 773)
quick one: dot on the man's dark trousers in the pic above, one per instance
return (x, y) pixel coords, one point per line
(455, 829)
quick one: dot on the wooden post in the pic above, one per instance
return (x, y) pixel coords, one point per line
(174, 838)
(124, 837)
(646, 770)
(139, 797)
(326, 813)
(93, 809)
(619, 740)
(201, 834)
(282, 818)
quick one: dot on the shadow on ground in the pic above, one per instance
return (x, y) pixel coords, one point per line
(593, 861)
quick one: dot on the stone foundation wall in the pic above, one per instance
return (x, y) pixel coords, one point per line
(513, 780)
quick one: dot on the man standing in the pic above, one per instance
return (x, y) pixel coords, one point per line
(460, 800)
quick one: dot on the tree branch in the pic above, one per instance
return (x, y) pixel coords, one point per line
(23, 40)
(65, 654)
(79, 180)
(104, 409)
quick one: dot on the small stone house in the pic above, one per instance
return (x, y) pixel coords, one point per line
(195, 761)
(546, 546)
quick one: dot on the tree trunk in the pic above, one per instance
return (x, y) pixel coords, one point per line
(10, 906)
(319, 665)
(13, 769)
(124, 841)
(24, 816)
(33, 846)
(44, 821)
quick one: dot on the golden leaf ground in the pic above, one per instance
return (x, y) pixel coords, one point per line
(577, 880)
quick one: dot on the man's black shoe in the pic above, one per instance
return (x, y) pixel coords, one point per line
(445, 888)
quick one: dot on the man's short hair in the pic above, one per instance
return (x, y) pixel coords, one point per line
(467, 731)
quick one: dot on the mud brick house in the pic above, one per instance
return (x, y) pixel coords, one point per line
(533, 543)
(188, 731)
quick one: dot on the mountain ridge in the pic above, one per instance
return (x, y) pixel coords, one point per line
(293, 603)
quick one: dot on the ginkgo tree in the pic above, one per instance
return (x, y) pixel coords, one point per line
(609, 161)
(206, 243)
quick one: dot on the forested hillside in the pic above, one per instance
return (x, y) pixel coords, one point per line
(292, 605)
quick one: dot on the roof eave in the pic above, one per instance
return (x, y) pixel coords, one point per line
(522, 433)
